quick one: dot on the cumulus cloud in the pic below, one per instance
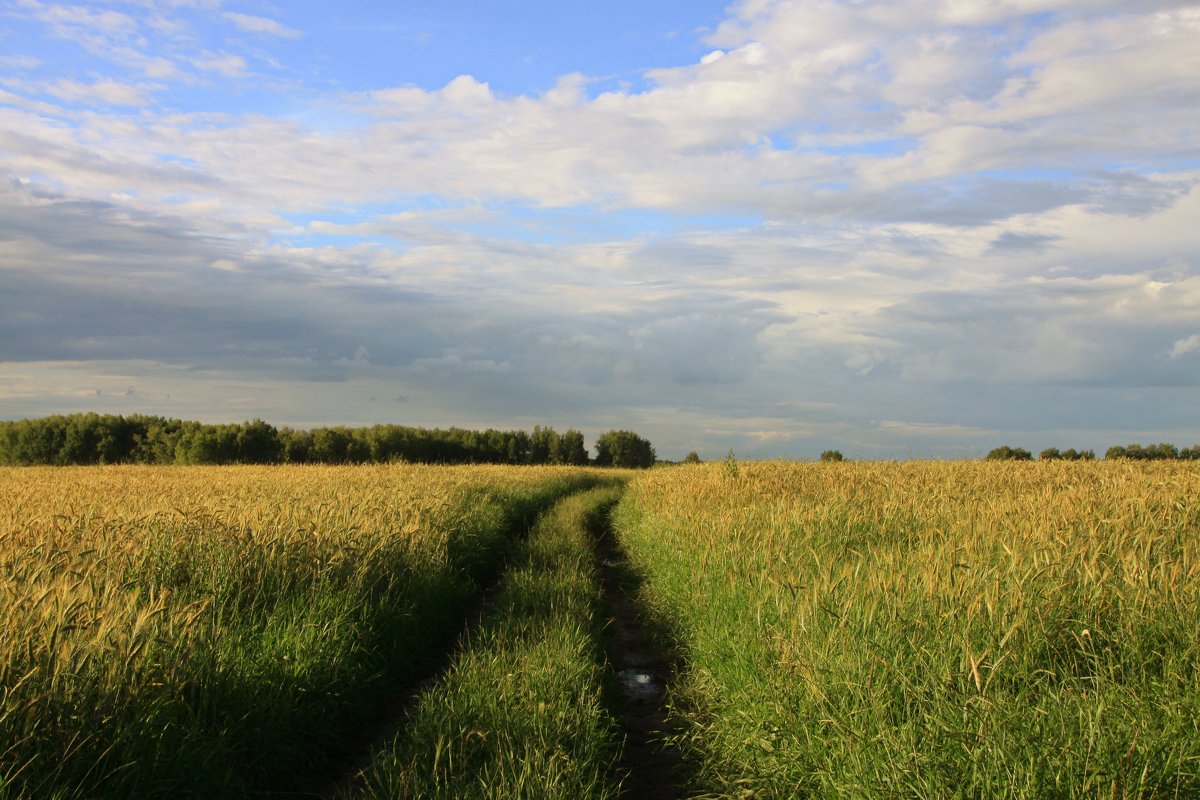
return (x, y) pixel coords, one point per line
(1185, 346)
(877, 222)
(702, 136)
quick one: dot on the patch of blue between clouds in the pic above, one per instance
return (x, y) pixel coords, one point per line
(876, 147)
(1150, 165)
(517, 222)
(585, 224)
(300, 235)
(518, 47)
(56, 55)
(627, 83)
(183, 161)
(232, 97)
(317, 241)
(1021, 35)
(1026, 175)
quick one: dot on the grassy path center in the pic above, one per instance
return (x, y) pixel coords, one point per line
(520, 712)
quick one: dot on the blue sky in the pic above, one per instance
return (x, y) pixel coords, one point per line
(521, 47)
(894, 227)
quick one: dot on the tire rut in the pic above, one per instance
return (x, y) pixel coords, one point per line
(345, 760)
(644, 661)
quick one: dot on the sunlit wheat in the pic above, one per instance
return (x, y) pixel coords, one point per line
(933, 629)
(192, 627)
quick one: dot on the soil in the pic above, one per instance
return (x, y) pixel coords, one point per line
(644, 661)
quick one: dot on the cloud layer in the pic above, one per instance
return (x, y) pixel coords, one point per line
(893, 227)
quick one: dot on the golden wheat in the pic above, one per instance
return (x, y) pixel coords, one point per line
(171, 591)
(913, 629)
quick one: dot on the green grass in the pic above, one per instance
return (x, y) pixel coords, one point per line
(930, 630)
(520, 713)
(210, 632)
(923, 630)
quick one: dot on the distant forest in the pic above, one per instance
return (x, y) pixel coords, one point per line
(1134, 452)
(142, 439)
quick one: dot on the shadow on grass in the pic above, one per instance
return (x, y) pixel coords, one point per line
(336, 771)
(644, 657)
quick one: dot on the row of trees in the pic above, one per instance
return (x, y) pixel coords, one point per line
(1153, 452)
(141, 439)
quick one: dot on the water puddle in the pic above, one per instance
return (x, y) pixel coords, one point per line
(637, 684)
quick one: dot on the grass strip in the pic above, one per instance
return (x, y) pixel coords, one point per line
(520, 712)
(928, 630)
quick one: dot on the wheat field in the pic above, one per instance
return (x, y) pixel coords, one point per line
(931, 629)
(201, 631)
(968, 629)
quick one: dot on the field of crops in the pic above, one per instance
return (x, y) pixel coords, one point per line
(971, 629)
(521, 711)
(931, 630)
(209, 631)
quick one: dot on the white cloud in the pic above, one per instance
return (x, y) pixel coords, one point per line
(464, 91)
(699, 138)
(103, 91)
(20, 62)
(68, 19)
(231, 66)
(261, 25)
(1186, 346)
(852, 203)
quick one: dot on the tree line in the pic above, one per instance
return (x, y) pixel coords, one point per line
(1136, 452)
(142, 439)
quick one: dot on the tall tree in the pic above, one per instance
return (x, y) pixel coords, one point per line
(572, 448)
(624, 449)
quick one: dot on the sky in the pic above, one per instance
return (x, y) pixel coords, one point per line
(896, 228)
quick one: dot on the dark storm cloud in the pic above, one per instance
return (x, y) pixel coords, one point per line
(1103, 332)
(140, 287)
(90, 281)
